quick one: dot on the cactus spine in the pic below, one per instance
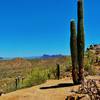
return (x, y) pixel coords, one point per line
(73, 48)
(80, 40)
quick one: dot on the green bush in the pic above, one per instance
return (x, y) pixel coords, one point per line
(52, 72)
(37, 76)
(89, 68)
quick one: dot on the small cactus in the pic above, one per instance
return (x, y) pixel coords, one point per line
(58, 71)
(16, 82)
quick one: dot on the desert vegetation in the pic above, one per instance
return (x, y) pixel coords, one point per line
(21, 73)
(30, 72)
(37, 71)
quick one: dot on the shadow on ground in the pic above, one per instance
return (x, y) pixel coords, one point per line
(62, 85)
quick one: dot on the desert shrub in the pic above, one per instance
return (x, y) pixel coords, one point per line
(11, 87)
(68, 68)
(52, 72)
(63, 69)
(89, 63)
(89, 68)
(91, 57)
(7, 85)
(37, 76)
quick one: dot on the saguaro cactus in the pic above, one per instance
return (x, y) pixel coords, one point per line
(58, 71)
(80, 40)
(73, 48)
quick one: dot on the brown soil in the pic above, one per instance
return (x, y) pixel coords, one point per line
(51, 90)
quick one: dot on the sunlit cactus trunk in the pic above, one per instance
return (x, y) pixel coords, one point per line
(73, 48)
(80, 41)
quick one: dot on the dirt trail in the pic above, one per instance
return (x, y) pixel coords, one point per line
(51, 90)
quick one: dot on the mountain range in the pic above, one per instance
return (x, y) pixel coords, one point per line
(45, 56)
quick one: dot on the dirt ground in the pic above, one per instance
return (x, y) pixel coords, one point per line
(51, 90)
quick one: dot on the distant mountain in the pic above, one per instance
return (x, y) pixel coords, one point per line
(45, 56)
(1, 58)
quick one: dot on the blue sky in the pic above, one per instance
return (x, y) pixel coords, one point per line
(36, 27)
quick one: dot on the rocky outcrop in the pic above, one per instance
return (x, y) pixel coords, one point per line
(95, 48)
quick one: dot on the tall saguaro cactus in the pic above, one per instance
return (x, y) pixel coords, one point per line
(73, 48)
(80, 40)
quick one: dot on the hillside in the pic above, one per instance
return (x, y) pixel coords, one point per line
(10, 69)
(19, 65)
